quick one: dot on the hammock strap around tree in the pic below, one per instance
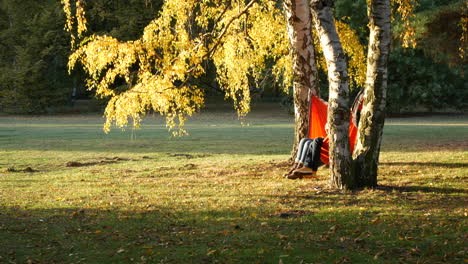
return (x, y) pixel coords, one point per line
(318, 111)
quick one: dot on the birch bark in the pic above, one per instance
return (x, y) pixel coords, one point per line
(299, 22)
(366, 153)
(338, 102)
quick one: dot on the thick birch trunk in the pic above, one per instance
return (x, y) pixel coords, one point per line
(305, 71)
(366, 153)
(338, 102)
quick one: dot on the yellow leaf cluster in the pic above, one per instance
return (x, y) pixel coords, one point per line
(462, 50)
(68, 13)
(406, 10)
(80, 17)
(354, 51)
(69, 19)
(165, 57)
(249, 42)
(158, 67)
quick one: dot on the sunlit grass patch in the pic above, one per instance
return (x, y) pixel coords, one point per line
(218, 195)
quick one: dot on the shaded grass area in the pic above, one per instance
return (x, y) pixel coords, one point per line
(218, 195)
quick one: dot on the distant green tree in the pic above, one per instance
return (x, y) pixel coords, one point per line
(34, 57)
(431, 76)
(431, 86)
(34, 48)
(442, 36)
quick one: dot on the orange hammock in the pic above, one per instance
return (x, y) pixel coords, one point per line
(317, 119)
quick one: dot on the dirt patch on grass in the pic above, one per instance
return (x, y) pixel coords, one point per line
(292, 213)
(103, 161)
(189, 166)
(84, 164)
(188, 156)
(27, 169)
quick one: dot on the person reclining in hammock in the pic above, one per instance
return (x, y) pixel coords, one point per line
(312, 153)
(307, 159)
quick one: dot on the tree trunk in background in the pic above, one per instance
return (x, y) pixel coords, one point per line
(338, 102)
(366, 153)
(305, 71)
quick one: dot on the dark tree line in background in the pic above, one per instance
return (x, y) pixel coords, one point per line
(33, 57)
(34, 51)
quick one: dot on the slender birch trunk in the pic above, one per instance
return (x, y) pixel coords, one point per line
(338, 102)
(366, 153)
(299, 21)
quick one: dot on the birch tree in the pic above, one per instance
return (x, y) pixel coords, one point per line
(305, 79)
(363, 173)
(366, 153)
(338, 101)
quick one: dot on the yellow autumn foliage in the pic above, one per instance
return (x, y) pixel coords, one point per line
(354, 50)
(462, 50)
(406, 10)
(170, 53)
(159, 67)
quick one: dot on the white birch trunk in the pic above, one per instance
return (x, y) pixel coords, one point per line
(338, 102)
(299, 21)
(366, 153)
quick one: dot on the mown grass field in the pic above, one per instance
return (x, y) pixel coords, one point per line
(217, 196)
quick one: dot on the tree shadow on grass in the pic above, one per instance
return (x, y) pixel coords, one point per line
(402, 199)
(250, 235)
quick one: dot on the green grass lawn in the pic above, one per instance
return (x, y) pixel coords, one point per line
(217, 196)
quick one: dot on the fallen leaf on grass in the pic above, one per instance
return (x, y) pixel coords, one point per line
(211, 252)
(77, 213)
(148, 252)
(380, 253)
(31, 261)
(333, 228)
(344, 239)
(282, 237)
